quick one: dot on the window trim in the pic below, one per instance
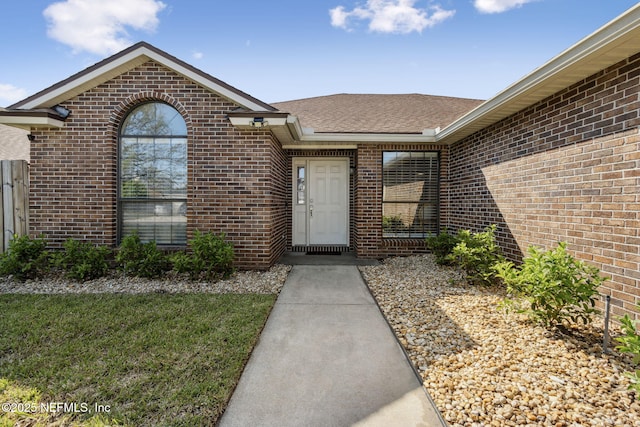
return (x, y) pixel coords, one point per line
(120, 200)
(437, 199)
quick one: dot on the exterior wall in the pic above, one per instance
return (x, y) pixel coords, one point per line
(368, 201)
(565, 169)
(235, 178)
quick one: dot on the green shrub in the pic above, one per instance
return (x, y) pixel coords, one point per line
(630, 343)
(141, 259)
(551, 286)
(26, 258)
(211, 257)
(82, 260)
(441, 245)
(476, 254)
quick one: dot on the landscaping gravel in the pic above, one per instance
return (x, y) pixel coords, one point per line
(483, 367)
(260, 282)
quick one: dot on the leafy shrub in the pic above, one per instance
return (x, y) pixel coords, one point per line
(83, 260)
(476, 254)
(141, 259)
(211, 256)
(551, 286)
(630, 343)
(441, 245)
(26, 258)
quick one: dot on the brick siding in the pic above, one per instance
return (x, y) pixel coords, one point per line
(235, 179)
(565, 169)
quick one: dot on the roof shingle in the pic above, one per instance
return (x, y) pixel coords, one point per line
(368, 113)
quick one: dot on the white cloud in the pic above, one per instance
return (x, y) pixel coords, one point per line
(11, 94)
(198, 55)
(391, 16)
(100, 26)
(498, 6)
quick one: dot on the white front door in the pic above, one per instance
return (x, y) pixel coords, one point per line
(321, 212)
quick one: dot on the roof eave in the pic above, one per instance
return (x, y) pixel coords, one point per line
(126, 60)
(609, 45)
(27, 119)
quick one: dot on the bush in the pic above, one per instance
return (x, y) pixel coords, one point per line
(630, 343)
(141, 259)
(83, 261)
(211, 257)
(476, 254)
(551, 286)
(441, 245)
(26, 258)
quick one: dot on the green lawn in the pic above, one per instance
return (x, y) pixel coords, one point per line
(157, 359)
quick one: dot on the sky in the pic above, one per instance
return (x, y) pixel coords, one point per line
(281, 50)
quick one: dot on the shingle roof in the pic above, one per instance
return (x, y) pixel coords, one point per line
(14, 144)
(366, 113)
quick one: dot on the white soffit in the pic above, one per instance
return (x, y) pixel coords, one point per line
(28, 122)
(612, 43)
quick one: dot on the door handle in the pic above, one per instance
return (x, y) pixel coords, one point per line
(311, 211)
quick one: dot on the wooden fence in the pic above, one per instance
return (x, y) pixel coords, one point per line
(14, 197)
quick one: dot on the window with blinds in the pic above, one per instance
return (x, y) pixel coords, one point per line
(152, 171)
(411, 189)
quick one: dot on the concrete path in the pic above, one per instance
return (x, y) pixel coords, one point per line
(328, 358)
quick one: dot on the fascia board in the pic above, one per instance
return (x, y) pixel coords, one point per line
(245, 122)
(612, 43)
(87, 81)
(125, 63)
(361, 138)
(191, 75)
(26, 122)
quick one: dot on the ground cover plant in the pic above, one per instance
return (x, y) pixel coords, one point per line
(152, 359)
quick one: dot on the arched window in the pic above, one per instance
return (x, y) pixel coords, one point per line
(152, 172)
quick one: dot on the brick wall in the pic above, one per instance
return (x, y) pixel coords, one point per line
(368, 201)
(565, 169)
(234, 178)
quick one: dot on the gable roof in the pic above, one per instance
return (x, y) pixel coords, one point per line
(124, 61)
(369, 113)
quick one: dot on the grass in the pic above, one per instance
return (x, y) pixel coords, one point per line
(153, 359)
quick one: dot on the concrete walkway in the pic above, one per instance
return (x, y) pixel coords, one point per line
(327, 357)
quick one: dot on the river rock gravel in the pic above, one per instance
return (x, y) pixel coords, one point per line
(483, 367)
(260, 282)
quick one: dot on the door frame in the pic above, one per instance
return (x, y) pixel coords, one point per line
(301, 237)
